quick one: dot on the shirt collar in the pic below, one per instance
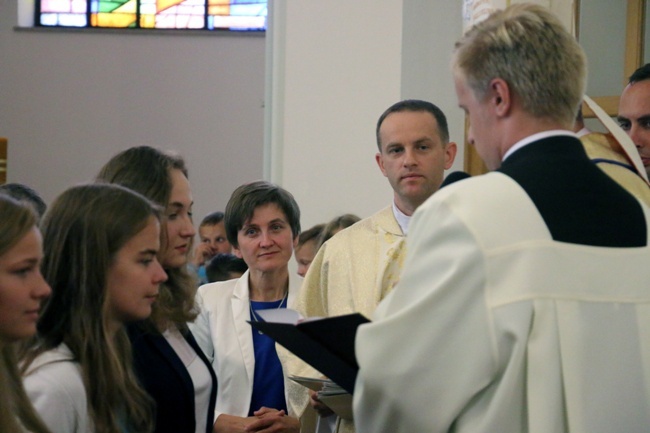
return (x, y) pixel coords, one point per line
(536, 137)
(402, 219)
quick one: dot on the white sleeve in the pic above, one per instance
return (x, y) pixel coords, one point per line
(430, 348)
(200, 328)
(57, 393)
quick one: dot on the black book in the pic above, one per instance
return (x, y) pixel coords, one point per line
(327, 344)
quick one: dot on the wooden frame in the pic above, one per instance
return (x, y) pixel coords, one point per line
(634, 38)
(3, 160)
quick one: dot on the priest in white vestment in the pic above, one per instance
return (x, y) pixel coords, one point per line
(524, 302)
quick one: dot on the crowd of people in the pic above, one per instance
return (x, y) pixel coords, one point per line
(514, 301)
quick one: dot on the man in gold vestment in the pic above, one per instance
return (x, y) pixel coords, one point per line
(607, 153)
(355, 269)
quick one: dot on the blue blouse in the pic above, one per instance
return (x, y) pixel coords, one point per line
(268, 382)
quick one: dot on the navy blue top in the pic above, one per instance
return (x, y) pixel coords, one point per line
(166, 379)
(268, 382)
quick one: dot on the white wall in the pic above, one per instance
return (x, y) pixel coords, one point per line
(605, 50)
(336, 66)
(430, 30)
(69, 101)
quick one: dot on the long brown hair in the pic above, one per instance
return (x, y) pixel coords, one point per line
(84, 229)
(17, 219)
(16, 411)
(148, 171)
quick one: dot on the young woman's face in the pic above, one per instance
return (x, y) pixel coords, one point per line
(22, 287)
(180, 229)
(135, 275)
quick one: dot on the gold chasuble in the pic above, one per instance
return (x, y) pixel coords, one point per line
(606, 152)
(352, 272)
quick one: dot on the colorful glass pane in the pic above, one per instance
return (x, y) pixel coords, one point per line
(65, 13)
(56, 6)
(159, 14)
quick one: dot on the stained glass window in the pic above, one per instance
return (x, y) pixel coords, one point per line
(243, 15)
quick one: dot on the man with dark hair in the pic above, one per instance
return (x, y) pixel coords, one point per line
(642, 73)
(634, 112)
(357, 267)
(412, 160)
(524, 301)
(415, 105)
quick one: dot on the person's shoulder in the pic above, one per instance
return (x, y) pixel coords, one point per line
(55, 387)
(53, 358)
(380, 217)
(364, 227)
(55, 374)
(603, 148)
(215, 292)
(493, 208)
(472, 192)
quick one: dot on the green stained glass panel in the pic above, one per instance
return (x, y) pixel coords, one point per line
(110, 5)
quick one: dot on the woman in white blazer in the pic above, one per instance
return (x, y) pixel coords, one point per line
(262, 224)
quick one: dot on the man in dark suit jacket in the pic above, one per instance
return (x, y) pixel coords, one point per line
(524, 301)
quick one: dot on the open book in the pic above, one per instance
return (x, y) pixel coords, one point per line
(327, 344)
(334, 396)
